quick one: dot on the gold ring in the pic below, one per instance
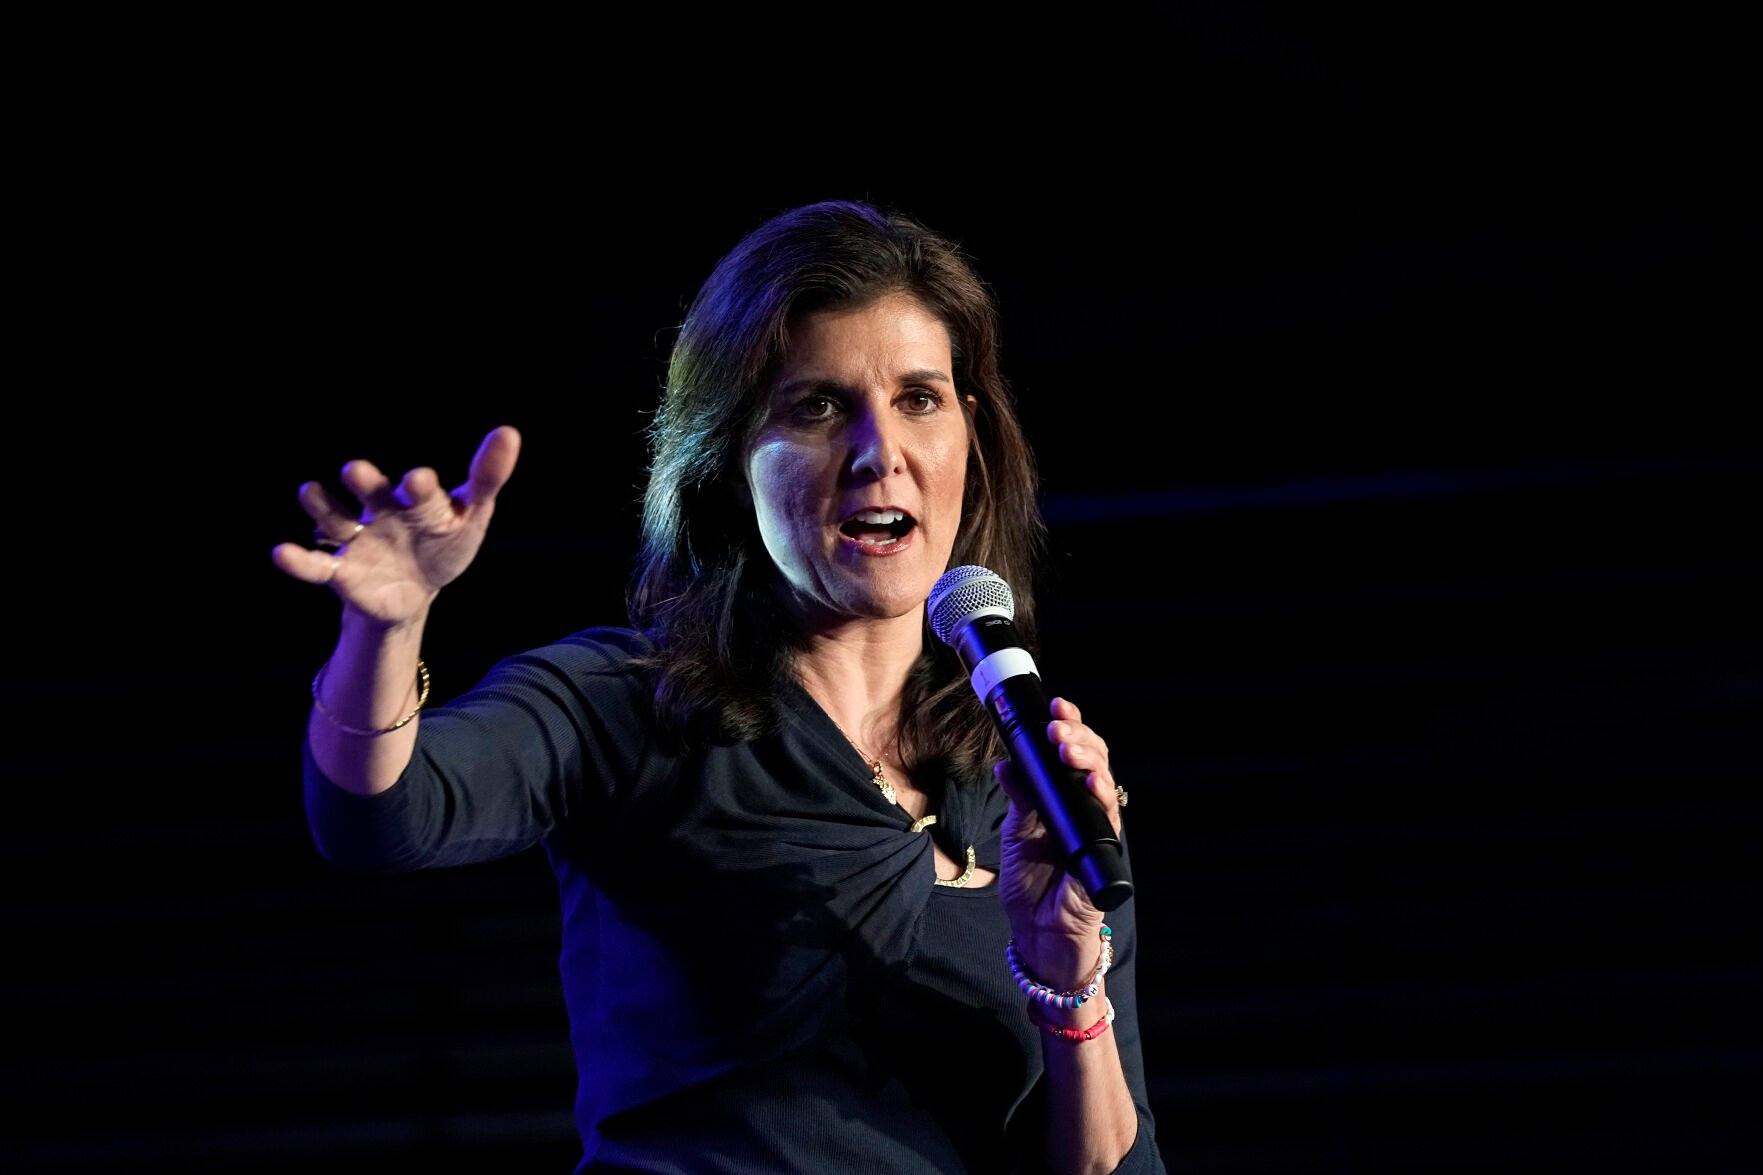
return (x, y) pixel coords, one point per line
(1120, 794)
(325, 540)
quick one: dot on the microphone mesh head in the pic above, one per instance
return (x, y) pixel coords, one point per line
(961, 592)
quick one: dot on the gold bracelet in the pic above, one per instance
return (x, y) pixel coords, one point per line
(422, 675)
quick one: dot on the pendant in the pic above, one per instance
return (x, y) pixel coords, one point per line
(881, 781)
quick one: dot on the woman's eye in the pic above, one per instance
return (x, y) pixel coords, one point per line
(815, 408)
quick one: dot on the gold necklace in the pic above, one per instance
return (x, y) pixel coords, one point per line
(875, 765)
(887, 789)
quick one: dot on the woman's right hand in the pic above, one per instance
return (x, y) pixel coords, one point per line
(417, 538)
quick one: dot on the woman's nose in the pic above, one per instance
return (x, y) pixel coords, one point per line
(875, 444)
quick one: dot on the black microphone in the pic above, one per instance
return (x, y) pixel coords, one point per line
(972, 611)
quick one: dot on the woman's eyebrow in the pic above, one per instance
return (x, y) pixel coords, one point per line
(824, 383)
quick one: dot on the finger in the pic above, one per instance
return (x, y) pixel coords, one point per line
(302, 564)
(1066, 709)
(491, 467)
(1073, 735)
(322, 509)
(1101, 785)
(1084, 757)
(419, 487)
(371, 487)
(1080, 755)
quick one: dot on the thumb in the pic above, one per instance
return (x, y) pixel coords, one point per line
(1023, 817)
(491, 466)
(1005, 773)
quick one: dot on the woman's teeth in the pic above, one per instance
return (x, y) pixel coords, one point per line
(878, 528)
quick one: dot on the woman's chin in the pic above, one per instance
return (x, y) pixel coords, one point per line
(878, 607)
(881, 607)
(872, 590)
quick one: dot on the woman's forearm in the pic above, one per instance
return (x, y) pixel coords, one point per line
(370, 683)
(1091, 1121)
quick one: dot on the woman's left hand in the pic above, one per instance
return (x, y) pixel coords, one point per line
(1057, 927)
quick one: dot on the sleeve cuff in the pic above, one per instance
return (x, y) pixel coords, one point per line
(1143, 1157)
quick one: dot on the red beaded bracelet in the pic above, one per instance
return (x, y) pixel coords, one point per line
(1090, 1033)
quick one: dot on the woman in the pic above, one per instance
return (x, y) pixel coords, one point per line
(800, 917)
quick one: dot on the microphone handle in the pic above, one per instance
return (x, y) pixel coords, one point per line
(1075, 819)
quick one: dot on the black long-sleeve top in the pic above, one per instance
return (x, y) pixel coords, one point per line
(760, 973)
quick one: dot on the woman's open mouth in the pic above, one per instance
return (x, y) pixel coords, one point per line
(878, 532)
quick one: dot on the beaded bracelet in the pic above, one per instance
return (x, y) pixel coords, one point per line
(1076, 997)
(1090, 1033)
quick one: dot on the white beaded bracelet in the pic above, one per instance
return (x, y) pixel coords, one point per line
(1074, 998)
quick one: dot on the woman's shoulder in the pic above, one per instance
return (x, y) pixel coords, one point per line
(614, 642)
(601, 650)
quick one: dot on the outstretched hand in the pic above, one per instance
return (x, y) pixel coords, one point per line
(409, 541)
(1055, 923)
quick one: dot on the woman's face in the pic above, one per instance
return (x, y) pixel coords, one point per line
(863, 416)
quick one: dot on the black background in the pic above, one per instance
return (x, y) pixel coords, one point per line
(1388, 375)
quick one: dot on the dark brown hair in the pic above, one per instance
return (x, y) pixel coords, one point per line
(703, 587)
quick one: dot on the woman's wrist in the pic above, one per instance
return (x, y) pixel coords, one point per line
(360, 626)
(1082, 1016)
(1060, 962)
